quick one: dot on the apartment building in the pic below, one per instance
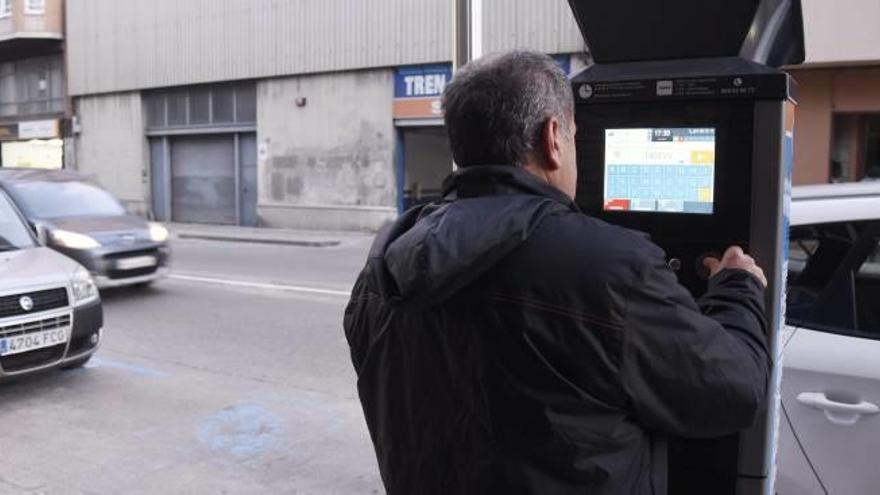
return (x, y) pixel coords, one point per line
(34, 116)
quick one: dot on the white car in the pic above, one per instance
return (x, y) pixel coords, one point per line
(830, 424)
(50, 309)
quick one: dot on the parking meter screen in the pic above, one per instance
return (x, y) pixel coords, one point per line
(664, 170)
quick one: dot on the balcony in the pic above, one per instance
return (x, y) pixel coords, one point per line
(30, 28)
(32, 87)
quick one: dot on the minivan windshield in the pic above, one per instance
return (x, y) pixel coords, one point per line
(65, 199)
(14, 233)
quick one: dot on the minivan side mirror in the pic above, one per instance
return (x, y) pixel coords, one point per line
(41, 231)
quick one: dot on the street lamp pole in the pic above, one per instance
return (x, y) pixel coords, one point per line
(468, 42)
(467, 17)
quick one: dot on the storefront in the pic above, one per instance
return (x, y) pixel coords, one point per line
(423, 155)
(32, 144)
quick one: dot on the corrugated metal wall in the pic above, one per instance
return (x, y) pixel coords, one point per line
(544, 25)
(118, 45)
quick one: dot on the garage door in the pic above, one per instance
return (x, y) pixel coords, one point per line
(203, 179)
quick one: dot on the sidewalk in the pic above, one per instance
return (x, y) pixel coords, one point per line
(263, 235)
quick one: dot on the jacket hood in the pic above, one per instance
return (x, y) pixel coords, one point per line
(435, 250)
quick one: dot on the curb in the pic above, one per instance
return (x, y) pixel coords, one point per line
(257, 240)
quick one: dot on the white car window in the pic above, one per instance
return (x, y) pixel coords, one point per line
(13, 231)
(834, 278)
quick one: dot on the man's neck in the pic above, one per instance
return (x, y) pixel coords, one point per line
(538, 171)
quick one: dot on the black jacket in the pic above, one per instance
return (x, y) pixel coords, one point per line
(506, 343)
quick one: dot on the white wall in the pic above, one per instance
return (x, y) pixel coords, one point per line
(328, 164)
(842, 31)
(112, 145)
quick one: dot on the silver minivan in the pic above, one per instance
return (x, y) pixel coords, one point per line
(50, 310)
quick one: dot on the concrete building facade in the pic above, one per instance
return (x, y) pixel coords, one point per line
(322, 168)
(325, 114)
(333, 143)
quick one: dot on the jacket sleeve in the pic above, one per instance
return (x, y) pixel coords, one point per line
(353, 322)
(694, 369)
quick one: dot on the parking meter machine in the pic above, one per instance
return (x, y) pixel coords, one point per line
(684, 131)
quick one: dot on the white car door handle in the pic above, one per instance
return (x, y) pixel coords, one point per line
(839, 413)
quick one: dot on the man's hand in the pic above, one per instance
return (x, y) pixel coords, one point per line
(735, 258)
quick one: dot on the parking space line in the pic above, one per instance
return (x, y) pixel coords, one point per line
(102, 362)
(259, 285)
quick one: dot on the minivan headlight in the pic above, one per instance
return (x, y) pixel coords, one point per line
(84, 288)
(158, 233)
(72, 240)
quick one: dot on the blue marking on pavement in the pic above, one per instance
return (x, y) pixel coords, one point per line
(243, 430)
(97, 362)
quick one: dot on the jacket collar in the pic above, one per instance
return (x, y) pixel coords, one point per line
(497, 180)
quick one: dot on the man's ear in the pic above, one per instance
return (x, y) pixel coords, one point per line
(551, 140)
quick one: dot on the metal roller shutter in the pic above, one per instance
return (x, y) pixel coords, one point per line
(203, 179)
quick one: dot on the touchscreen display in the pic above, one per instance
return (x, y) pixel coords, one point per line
(668, 170)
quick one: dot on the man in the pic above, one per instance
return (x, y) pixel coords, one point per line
(507, 343)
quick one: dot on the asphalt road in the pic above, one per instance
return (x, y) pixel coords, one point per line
(230, 377)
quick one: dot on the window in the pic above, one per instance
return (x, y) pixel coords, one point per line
(203, 105)
(177, 108)
(34, 6)
(13, 231)
(8, 99)
(155, 105)
(5, 8)
(199, 106)
(33, 89)
(224, 104)
(65, 199)
(245, 103)
(834, 278)
(33, 86)
(855, 147)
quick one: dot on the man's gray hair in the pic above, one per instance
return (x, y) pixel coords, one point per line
(496, 107)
